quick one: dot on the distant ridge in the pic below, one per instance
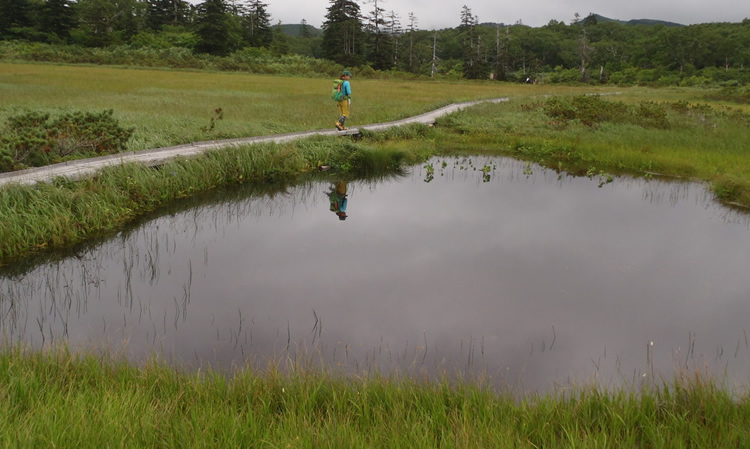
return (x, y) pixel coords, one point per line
(600, 18)
(296, 30)
(638, 21)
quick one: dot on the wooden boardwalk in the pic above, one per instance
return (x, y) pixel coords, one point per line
(87, 167)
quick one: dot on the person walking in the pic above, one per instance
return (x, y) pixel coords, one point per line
(346, 100)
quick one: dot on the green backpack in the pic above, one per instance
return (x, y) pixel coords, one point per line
(336, 93)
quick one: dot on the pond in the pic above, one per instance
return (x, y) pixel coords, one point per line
(479, 266)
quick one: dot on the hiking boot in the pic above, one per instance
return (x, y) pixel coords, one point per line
(339, 126)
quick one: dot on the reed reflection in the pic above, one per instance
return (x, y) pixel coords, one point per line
(548, 273)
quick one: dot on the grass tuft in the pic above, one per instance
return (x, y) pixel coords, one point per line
(65, 399)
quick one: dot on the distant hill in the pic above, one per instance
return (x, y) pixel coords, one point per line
(638, 21)
(492, 24)
(607, 19)
(296, 30)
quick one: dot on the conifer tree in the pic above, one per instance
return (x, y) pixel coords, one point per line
(257, 25)
(343, 36)
(15, 17)
(411, 29)
(280, 44)
(167, 12)
(213, 28)
(379, 48)
(304, 29)
(57, 17)
(475, 64)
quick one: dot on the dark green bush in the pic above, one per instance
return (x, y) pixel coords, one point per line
(592, 110)
(588, 109)
(732, 93)
(651, 115)
(32, 139)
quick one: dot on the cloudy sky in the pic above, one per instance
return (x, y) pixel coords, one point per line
(437, 14)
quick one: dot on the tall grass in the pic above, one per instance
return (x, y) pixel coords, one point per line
(65, 213)
(690, 141)
(60, 399)
(169, 107)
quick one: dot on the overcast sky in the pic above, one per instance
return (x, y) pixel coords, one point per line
(437, 14)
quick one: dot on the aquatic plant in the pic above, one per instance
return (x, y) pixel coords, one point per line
(429, 172)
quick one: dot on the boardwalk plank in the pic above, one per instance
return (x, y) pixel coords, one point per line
(79, 169)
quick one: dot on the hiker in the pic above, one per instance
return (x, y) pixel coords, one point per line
(337, 198)
(346, 100)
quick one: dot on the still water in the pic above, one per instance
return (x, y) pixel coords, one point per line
(534, 278)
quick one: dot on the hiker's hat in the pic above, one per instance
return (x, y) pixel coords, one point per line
(346, 73)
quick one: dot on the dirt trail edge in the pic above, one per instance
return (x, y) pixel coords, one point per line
(79, 169)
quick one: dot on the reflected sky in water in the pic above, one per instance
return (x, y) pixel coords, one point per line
(536, 278)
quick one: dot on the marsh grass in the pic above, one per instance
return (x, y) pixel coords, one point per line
(169, 107)
(670, 138)
(66, 213)
(56, 398)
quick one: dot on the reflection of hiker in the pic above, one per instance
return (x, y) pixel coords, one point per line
(337, 197)
(345, 101)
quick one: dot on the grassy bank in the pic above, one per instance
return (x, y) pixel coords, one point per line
(58, 399)
(673, 137)
(66, 213)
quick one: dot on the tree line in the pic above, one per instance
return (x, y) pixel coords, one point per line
(590, 49)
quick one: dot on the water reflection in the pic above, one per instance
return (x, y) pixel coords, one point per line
(338, 199)
(534, 276)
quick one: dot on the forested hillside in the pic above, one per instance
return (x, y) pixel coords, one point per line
(366, 37)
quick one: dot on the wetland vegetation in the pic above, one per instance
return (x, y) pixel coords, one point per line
(64, 399)
(85, 400)
(673, 132)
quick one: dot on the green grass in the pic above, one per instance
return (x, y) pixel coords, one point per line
(168, 107)
(706, 142)
(59, 399)
(58, 215)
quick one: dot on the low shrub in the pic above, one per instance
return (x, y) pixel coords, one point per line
(33, 139)
(732, 93)
(591, 110)
(588, 109)
(651, 115)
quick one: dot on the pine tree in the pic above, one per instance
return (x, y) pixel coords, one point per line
(167, 12)
(394, 31)
(304, 30)
(379, 48)
(502, 57)
(57, 17)
(95, 22)
(213, 28)
(15, 16)
(475, 65)
(280, 44)
(257, 25)
(343, 37)
(411, 29)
